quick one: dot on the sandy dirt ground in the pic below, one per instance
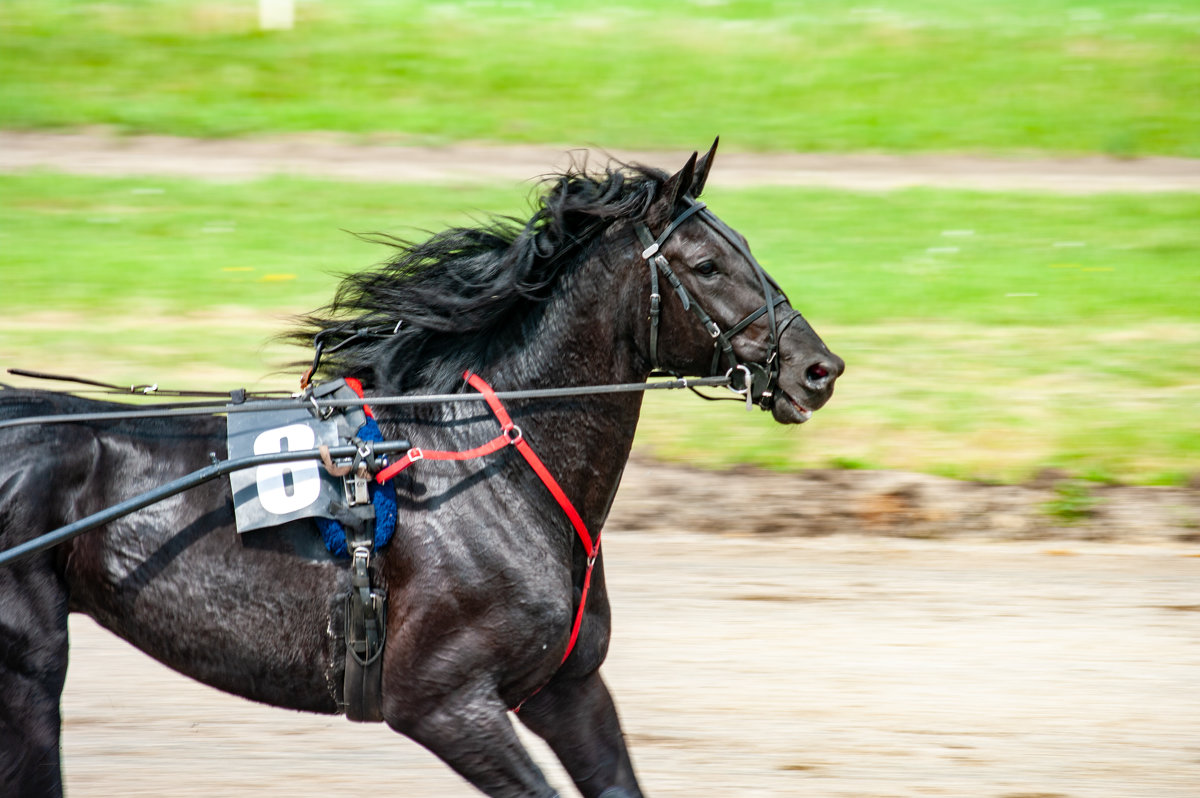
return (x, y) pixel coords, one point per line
(833, 666)
(340, 158)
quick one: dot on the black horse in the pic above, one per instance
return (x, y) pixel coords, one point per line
(485, 572)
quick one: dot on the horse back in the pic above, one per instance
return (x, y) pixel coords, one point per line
(55, 473)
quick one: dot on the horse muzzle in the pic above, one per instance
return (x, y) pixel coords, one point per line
(804, 384)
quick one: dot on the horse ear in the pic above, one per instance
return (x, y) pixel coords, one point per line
(702, 167)
(676, 187)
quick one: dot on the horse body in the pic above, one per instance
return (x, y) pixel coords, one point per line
(484, 574)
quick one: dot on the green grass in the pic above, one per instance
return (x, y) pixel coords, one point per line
(1108, 76)
(79, 245)
(987, 335)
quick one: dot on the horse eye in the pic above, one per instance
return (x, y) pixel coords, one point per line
(706, 269)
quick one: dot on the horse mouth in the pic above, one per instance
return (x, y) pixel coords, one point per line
(789, 411)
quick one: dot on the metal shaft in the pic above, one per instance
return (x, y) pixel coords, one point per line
(206, 474)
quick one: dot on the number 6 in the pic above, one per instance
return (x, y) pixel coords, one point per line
(273, 488)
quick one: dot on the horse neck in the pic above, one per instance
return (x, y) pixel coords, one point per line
(584, 335)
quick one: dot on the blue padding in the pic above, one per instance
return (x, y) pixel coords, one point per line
(382, 496)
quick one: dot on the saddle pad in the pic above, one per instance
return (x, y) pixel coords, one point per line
(271, 495)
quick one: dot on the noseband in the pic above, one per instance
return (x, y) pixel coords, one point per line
(760, 379)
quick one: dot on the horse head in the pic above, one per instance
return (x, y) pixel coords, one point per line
(713, 309)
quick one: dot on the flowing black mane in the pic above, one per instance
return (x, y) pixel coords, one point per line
(459, 297)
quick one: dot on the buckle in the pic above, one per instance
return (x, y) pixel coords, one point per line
(355, 487)
(747, 389)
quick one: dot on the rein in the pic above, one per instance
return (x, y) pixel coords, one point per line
(150, 389)
(326, 406)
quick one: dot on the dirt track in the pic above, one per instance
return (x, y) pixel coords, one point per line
(339, 158)
(838, 666)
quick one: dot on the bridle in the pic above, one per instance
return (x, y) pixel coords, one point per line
(759, 379)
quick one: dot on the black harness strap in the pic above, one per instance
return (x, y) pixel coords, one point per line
(760, 378)
(237, 395)
(365, 625)
(658, 263)
(756, 315)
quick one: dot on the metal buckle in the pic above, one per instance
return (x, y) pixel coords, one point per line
(513, 432)
(748, 386)
(356, 490)
(323, 413)
(361, 573)
(713, 329)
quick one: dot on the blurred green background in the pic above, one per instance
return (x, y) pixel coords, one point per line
(988, 334)
(1110, 76)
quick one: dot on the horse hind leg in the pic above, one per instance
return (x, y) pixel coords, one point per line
(33, 667)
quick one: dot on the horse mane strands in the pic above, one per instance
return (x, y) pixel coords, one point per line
(458, 291)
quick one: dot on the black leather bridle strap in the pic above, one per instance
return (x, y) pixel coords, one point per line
(773, 295)
(655, 312)
(658, 263)
(654, 244)
(768, 285)
(756, 315)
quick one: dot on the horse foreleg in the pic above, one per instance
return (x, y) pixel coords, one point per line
(33, 667)
(577, 718)
(471, 732)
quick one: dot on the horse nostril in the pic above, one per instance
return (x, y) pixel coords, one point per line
(817, 373)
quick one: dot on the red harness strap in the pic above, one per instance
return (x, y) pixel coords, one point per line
(356, 385)
(510, 435)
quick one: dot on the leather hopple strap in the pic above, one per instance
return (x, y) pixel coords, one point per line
(366, 616)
